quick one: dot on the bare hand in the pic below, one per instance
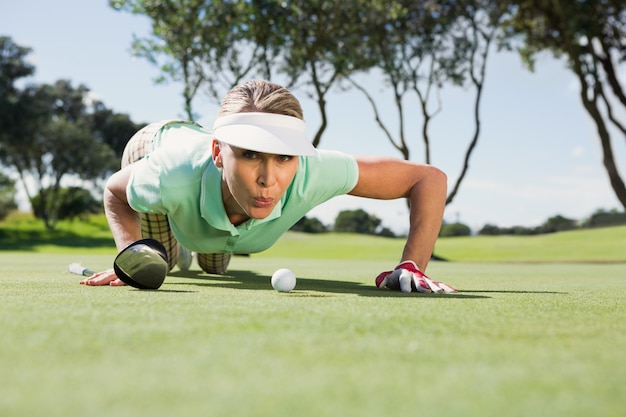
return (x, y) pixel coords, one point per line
(107, 277)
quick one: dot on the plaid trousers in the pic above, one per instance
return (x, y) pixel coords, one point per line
(156, 226)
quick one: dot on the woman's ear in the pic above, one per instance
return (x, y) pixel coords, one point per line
(217, 154)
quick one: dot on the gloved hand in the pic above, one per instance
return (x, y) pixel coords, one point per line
(407, 277)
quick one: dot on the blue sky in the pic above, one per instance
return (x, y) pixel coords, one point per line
(538, 154)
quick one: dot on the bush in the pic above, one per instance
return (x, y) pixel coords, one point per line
(490, 230)
(386, 232)
(356, 221)
(603, 218)
(558, 224)
(309, 225)
(73, 202)
(455, 229)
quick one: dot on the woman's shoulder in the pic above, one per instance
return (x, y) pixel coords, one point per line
(184, 145)
(327, 172)
(183, 152)
(326, 159)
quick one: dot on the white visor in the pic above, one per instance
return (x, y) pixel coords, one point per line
(264, 132)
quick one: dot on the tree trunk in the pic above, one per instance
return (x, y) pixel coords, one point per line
(607, 151)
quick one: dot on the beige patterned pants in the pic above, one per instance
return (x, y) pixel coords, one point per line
(156, 226)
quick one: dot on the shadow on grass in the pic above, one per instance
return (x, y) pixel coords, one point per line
(306, 287)
(162, 291)
(515, 292)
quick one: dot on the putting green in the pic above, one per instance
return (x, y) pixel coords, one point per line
(518, 340)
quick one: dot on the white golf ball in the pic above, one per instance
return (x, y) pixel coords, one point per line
(283, 280)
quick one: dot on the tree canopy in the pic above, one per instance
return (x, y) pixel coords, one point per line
(418, 46)
(314, 46)
(356, 221)
(591, 35)
(51, 132)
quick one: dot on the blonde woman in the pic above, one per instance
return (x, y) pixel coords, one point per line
(239, 187)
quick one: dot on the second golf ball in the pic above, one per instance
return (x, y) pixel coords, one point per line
(283, 280)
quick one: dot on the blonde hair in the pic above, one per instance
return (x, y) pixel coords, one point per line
(260, 96)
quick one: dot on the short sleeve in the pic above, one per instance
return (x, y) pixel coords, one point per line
(170, 176)
(324, 176)
(143, 190)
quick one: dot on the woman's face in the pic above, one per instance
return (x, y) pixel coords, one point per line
(252, 182)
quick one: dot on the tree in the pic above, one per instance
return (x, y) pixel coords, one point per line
(17, 117)
(455, 229)
(13, 66)
(209, 46)
(114, 129)
(490, 230)
(558, 224)
(356, 221)
(49, 133)
(473, 36)
(72, 202)
(7, 195)
(319, 42)
(386, 232)
(309, 225)
(419, 48)
(591, 35)
(605, 218)
(316, 44)
(65, 149)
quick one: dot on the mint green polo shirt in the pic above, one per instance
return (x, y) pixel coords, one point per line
(179, 179)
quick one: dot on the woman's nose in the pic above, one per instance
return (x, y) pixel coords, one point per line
(267, 175)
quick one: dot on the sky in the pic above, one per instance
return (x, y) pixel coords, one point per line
(538, 154)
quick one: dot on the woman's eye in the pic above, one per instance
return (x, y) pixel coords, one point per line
(250, 154)
(285, 158)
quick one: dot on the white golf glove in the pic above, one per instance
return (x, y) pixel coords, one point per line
(407, 277)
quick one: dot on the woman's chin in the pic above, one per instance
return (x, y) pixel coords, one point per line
(259, 212)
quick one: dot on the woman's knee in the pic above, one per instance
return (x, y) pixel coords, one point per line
(214, 263)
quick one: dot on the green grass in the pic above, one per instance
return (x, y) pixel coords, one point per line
(23, 233)
(529, 335)
(518, 340)
(586, 245)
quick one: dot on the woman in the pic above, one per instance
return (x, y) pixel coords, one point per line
(238, 188)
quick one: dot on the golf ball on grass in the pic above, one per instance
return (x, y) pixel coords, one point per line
(283, 280)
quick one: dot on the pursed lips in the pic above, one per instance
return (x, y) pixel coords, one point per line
(263, 201)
